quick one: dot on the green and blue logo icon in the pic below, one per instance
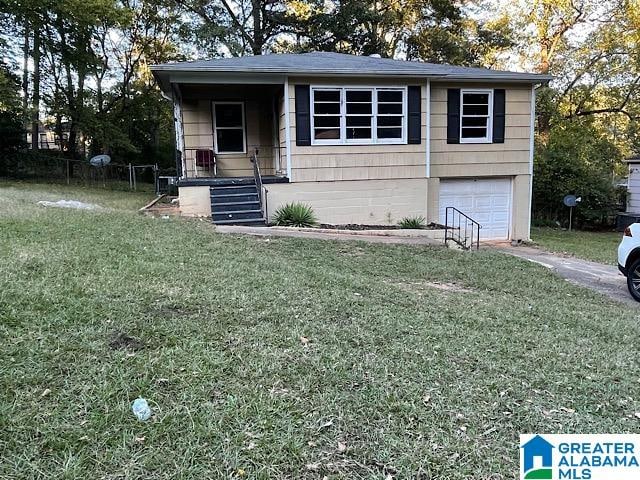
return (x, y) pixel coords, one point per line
(537, 459)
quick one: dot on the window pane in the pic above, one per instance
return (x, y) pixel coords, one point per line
(474, 121)
(326, 121)
(359, 108)
(474, 133)
(358, 121)
(389, 132)
(389, 121)
(327, 134)
(228, 115)
(230, 140)
(326, 95)
(476, 98)
(389, 108)
(355, 133)
(389, 96)
(331, 108)
(475, 110)
(358, 96)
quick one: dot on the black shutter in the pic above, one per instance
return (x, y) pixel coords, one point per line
(453, 115)
(498, 115)
(413, 104)
(303, 116)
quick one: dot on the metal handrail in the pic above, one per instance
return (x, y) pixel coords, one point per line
(257, 176)
(467, 241)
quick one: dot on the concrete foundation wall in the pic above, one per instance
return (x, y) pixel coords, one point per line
(195, 201)
(371, 202)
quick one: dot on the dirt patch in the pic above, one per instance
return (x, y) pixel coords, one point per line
(352, 252)
(164, 207)
(419, 287)
(172, 311)
(122, 341)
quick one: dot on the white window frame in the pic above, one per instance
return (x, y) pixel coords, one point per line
(489, 137)
(374, 140)
(216, 128)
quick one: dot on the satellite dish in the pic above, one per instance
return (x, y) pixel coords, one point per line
(571, 200)
(100, 160)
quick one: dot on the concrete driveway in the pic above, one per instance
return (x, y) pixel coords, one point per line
(605, 279)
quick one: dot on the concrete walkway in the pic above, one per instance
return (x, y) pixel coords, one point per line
(605, 279)
(272, 232)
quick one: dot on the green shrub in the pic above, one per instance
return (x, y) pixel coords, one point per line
(295, 215)
(414, 223)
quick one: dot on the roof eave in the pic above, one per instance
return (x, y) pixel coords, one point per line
(508, 78)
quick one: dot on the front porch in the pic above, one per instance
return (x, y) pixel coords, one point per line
(222, 127)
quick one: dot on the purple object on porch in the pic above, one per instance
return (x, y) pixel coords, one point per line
(204, 158)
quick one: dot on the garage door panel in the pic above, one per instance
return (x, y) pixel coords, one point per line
(487, 201)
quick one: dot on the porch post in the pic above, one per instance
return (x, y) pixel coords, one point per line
(287, 122)
(179, 129)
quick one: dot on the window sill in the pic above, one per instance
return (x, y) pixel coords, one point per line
(474, 141)
(360, 144)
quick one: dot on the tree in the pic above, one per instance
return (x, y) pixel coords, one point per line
(241, 27)
(434, 30)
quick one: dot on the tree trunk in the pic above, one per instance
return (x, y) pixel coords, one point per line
(35, 103)
(25, 80)
(258, 40)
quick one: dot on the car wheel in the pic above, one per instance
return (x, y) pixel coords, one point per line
(633, 280)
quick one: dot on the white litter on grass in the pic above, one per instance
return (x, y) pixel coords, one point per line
(70, 204)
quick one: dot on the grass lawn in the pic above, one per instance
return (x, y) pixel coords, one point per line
(595, 246)
(285, 358)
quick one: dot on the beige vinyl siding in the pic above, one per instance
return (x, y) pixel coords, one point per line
(357, 162)
(482, 159)
(197, 119)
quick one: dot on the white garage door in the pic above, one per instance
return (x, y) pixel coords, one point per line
(487, 201)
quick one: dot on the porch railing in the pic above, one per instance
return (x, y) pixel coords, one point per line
(203, 162)
(257, 176)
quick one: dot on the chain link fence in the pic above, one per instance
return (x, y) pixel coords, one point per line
(58, 169)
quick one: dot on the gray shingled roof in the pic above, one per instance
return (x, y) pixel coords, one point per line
(323, 63)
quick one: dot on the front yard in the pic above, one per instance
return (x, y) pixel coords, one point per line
(286, 358)
(595, 246)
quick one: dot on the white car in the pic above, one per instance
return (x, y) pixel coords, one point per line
(629, 258)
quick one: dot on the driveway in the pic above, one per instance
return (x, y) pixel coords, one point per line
(605, 279)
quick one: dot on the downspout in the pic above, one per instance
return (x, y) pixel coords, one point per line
(428, 133)
(531, 147)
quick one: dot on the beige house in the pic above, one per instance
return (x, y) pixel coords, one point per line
(362, 140)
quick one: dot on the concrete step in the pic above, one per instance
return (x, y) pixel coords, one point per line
(217, 207)
(237, 215)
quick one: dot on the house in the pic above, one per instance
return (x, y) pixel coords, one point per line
(632, 213)
(361, 139)
(48, 139)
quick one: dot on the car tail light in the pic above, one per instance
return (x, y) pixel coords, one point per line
(627, 232)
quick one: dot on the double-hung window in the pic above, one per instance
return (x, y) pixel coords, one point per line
(228, 127)
(475, 116)
(361, 115)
